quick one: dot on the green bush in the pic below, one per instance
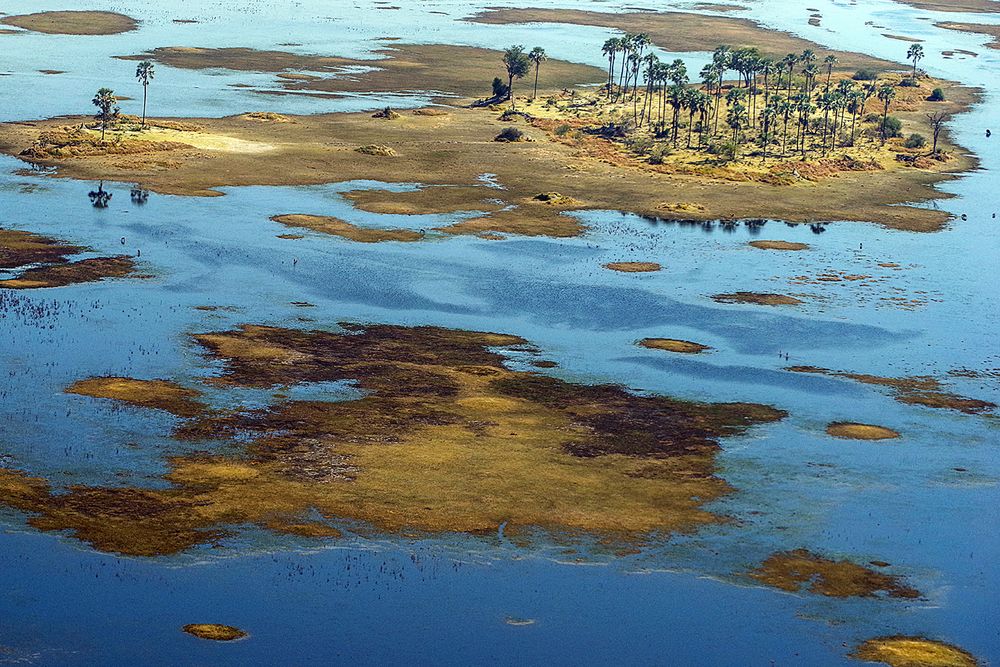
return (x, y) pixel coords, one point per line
(915, 141)
(563, 130)
(509, 134)
(908, 83)
(937, 95)
(659, 153)
(893, 127)
(640, 145)
(865, 74)
(500, 89)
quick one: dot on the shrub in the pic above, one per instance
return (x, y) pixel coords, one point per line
(908, 83)
(510, 134)
(659, 153)
(915, 141)
(865, 74)
(500, 89)
(893, 127)
(639, 145)
(937, 95)
(563, 130)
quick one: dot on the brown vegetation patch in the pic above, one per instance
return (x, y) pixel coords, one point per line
(399, 68)
(378, 150)
(18, 248)
(674, 345)
(77, 141)
(336, 227)
(853, 431)
(678, 31)
(425, 201)
(73, 23)
(266, 117)
(759, 298)
(82, 271)
(444, 438)
(801, 569)
(900, 651)
(158, 394)
(779, 245)
(976, 28)
(633, 267)
(919, 390)
(214, 632)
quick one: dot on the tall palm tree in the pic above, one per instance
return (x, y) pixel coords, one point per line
(651, 72)
(810, 71)
(825, 103)
(767, 119)
(886, 93)
(626, 44)
(517, 64)
(144, 73)
(829, 61)
(676, 96)
(785, 109)
(737, 118)
(641, 41)
(916, 54)
(610, 50)
(789, 62)
(537, 56)
(721, 58)
(105, 102)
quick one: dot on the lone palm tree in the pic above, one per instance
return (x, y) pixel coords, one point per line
(105, 102)
(537, 56)
(916, 54)
(829, 61)
(517, 64)
(886, 93)
(144, 72)
(610, 49)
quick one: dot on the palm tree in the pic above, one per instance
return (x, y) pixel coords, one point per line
(825, 103)
(610, 49)
(767, 118)
(652, 72)
(105, 102)
(854, 102)
(737, 119)
(810, 71)
(517, 64)
(626, 44)
(144, 72)
(721, 59)
(785, 109)
(676, 96)
(789, 62)
(640, 42)
(694, 102)
(916, 54)
(537, 56)
(886, 93)
(829, 61)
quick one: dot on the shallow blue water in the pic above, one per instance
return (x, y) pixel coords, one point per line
(446, 600)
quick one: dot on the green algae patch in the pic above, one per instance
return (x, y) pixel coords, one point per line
(73, 22)
(801, 569)
(214, 632)
(759, 298)
(72, 273)
(158, 394)
(900, 651)
(674, 345)
(633, 267)
(336, 227)
(444, 438)
(854, 431)
(919, 390)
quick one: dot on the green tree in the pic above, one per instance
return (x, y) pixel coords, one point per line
(144, 73)
(517, 64)
(537, 56)
(886, 93)
(610, 50)
(916, 54)
(829, 61)
(106, 102)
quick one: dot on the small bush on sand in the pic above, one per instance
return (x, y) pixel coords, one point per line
(865, 74)
(937, 95)
(510, 134)
(915, 141)
(386, 114)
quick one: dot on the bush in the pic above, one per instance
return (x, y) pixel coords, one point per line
(510, 134)
(915, 141)
(937, 95)
(639, 145)
(865, 74)
(659, 153)
(893, 127)
(500, 89)
(908, 83)
(563, 130)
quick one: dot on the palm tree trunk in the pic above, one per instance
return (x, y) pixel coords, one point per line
(535, 94)
(144, 88)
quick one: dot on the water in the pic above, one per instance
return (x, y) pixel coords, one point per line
(448, 600)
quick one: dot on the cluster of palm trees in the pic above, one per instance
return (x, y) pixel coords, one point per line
(519, 62)
(107, 102)
(767, 98)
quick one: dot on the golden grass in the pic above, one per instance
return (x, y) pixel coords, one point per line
(899, 651)
(801, 569)
(60, 275)
(759, 298)
(674, 345)
(214, 632)
(633, 267)
(159, 394)
(779, 245)
(336, 227)
(446, 439)
(73, 22)
(853, 431)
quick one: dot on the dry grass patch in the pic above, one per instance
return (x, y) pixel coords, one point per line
(900, 651)
(853, 431)
(801, 569)
(633, 267)
(336, 227)
(674, 345)
(73, 22)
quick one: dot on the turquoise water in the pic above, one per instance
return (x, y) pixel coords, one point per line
(447, 600)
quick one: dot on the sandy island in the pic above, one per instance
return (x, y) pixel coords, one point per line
(73, 22)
